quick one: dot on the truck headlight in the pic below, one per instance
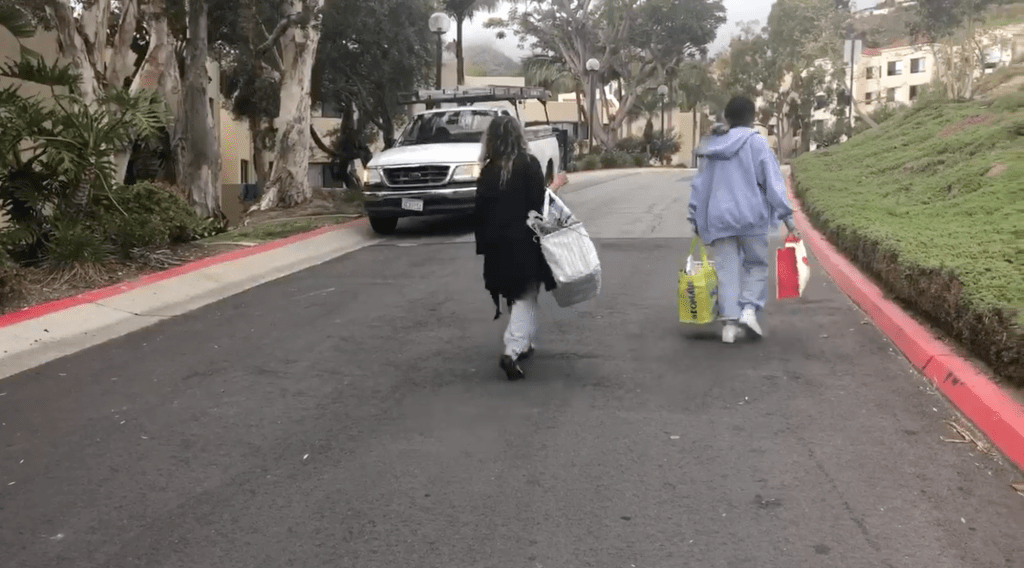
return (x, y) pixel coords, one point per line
(371, 176)
(466, 173)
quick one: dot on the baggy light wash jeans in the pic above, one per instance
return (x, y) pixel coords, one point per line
(742, 267)
(522, 325)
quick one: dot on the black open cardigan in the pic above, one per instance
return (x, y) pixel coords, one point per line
(512, 255)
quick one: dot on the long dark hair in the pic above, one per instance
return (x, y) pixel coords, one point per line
(503, 142)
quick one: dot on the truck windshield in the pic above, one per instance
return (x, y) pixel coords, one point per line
(451, 126)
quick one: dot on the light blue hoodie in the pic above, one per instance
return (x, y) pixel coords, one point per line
(738, 190)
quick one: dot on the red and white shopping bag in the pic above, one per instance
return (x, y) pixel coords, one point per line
(792, 269)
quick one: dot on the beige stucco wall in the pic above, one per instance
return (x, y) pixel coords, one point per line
(44, 43)
(235, 146)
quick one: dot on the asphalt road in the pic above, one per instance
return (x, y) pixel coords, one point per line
(354, 415)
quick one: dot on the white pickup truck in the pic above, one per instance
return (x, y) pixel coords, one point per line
(434, 165)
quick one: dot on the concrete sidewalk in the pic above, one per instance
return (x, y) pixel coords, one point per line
(43, 333)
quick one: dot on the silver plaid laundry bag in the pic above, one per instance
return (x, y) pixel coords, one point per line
(568, 250)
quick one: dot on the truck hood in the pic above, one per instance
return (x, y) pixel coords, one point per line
(461, 152)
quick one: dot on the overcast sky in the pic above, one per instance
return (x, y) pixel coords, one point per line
(737, 11)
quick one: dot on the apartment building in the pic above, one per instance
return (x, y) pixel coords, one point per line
(895, 74)
(899, 73)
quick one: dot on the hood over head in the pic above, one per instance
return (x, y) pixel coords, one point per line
(724, 143)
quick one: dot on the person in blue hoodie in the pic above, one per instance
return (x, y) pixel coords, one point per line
(738, 198)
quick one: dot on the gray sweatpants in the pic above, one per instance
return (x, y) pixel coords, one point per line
(742, 267)
(522, 324)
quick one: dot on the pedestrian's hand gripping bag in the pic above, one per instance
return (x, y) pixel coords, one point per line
(792, 269)
(698, 288)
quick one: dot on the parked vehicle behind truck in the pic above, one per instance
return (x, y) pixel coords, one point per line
(434, 165)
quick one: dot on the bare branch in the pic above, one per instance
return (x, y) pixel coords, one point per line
(320, 143)
(279, 31)
(278, 59)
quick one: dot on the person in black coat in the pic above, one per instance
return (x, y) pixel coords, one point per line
(511, 184)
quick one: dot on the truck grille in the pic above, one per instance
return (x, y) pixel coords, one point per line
(416, 176)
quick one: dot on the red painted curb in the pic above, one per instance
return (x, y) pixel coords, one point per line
(976, 395)
(40, 310)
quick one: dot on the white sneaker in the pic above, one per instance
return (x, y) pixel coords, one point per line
(749, 320)
(730, 332)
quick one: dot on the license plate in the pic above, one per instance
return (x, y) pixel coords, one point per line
(412, 204)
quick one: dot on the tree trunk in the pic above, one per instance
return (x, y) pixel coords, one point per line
(73, 48)
(289, 180)
(971, 64)
(389, 131)
(580, 113)
(609, 138)
(460, 58)
(202, 152)
(259, 158)
(693, 154)
(160, 72)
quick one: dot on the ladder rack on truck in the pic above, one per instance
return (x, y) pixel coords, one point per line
(471, 95)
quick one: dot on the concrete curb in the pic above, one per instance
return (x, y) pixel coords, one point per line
(980, 399)
(91, 296)
(42, 333)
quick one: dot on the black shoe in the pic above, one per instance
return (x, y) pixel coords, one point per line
(512, 369)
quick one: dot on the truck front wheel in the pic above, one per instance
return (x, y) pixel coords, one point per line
(384, 225)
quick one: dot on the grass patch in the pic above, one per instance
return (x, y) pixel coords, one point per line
(998, 16)
(932, 205)
(999, 77)
(272, 230)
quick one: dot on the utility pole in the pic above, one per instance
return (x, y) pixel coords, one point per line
(852, 51)
(853, 74)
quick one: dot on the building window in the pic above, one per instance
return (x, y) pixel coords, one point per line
(914, 91)
(244, 171)
(917, 65)
(869, 73)
(895, 68)
(869, 97)
(891, 95)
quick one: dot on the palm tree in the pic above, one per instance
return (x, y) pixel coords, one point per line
(463, 10)
(543, 71)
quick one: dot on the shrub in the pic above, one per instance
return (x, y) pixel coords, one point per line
(926, 204)
(146, 215)
(615, 159)
(640, 160)
(1009, 103)
(588, 163)
(76, 241)
(11, 284)
(631, 145)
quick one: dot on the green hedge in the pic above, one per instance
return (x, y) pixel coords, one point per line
(931, 204)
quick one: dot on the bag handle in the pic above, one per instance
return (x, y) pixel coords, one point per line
(547, 202)
(694, 243)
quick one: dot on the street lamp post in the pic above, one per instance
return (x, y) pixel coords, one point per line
(593, 65)
(439, 24)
